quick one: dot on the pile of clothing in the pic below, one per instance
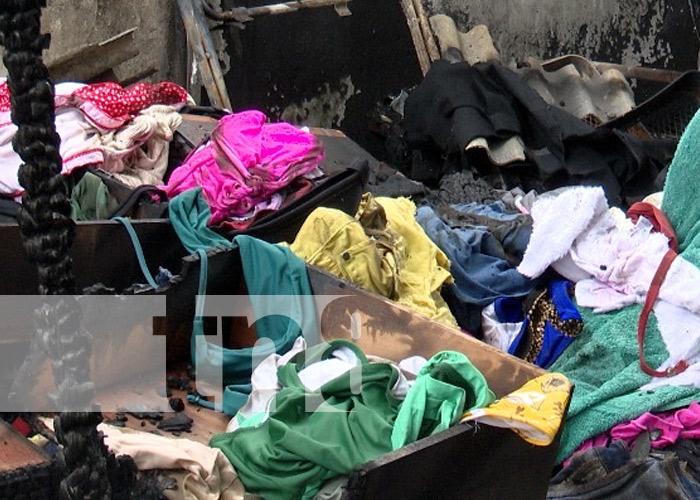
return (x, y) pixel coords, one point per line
(115, 145)
(249, 168)
(306, 413)
(122, 132)
(574, 248)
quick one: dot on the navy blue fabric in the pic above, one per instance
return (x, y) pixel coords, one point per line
(509, 310)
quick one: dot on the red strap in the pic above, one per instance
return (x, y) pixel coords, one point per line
(657, 218)
(644, 317)
(661, 223)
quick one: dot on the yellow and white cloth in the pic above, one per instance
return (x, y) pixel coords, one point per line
(534, 412)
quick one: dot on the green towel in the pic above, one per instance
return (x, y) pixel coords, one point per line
(681, 202)
(603, 362)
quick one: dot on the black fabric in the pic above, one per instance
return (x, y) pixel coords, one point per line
(468, 316)
(9, 209)
(457, 103)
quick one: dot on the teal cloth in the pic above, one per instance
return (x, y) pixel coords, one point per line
(447, 386)
(603, 362)
(189, 214)
(681, 201)
(268, 270)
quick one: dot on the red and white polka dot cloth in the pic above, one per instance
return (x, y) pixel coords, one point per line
(109, 105)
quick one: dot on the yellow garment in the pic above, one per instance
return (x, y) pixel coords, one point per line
(381, 249)
(534, 412)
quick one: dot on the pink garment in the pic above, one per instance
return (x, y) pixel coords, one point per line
(665, 428)
(245, 163)
(671, 426)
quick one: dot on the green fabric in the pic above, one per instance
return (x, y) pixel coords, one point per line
(603, 363)
(91, 200)
(268, 270)
(446, 387)
(302, 443)
(296, 449)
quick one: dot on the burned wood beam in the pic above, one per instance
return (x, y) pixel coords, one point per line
(246, 14)
(414, 28)
(202, 45)
(426, 30)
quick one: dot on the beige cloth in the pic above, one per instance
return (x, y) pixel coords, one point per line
(202, 473)
(655, 199)
(137, 153)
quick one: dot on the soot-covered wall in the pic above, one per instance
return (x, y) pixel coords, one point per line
(315, 67)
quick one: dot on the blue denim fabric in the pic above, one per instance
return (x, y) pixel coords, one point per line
(479, 267)
(495, 210)
(615, 472)
(512, 236)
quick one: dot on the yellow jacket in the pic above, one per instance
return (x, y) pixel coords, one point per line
(382, 249)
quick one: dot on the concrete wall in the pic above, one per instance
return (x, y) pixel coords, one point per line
(317, 68)
(159, 37)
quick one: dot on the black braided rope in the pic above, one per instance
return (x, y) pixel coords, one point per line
(91, 471)
(44, 220)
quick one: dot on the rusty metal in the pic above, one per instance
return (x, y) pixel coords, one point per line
(243, 15)
(640, 72)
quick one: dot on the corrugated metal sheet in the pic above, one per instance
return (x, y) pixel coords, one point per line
(577, 87)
